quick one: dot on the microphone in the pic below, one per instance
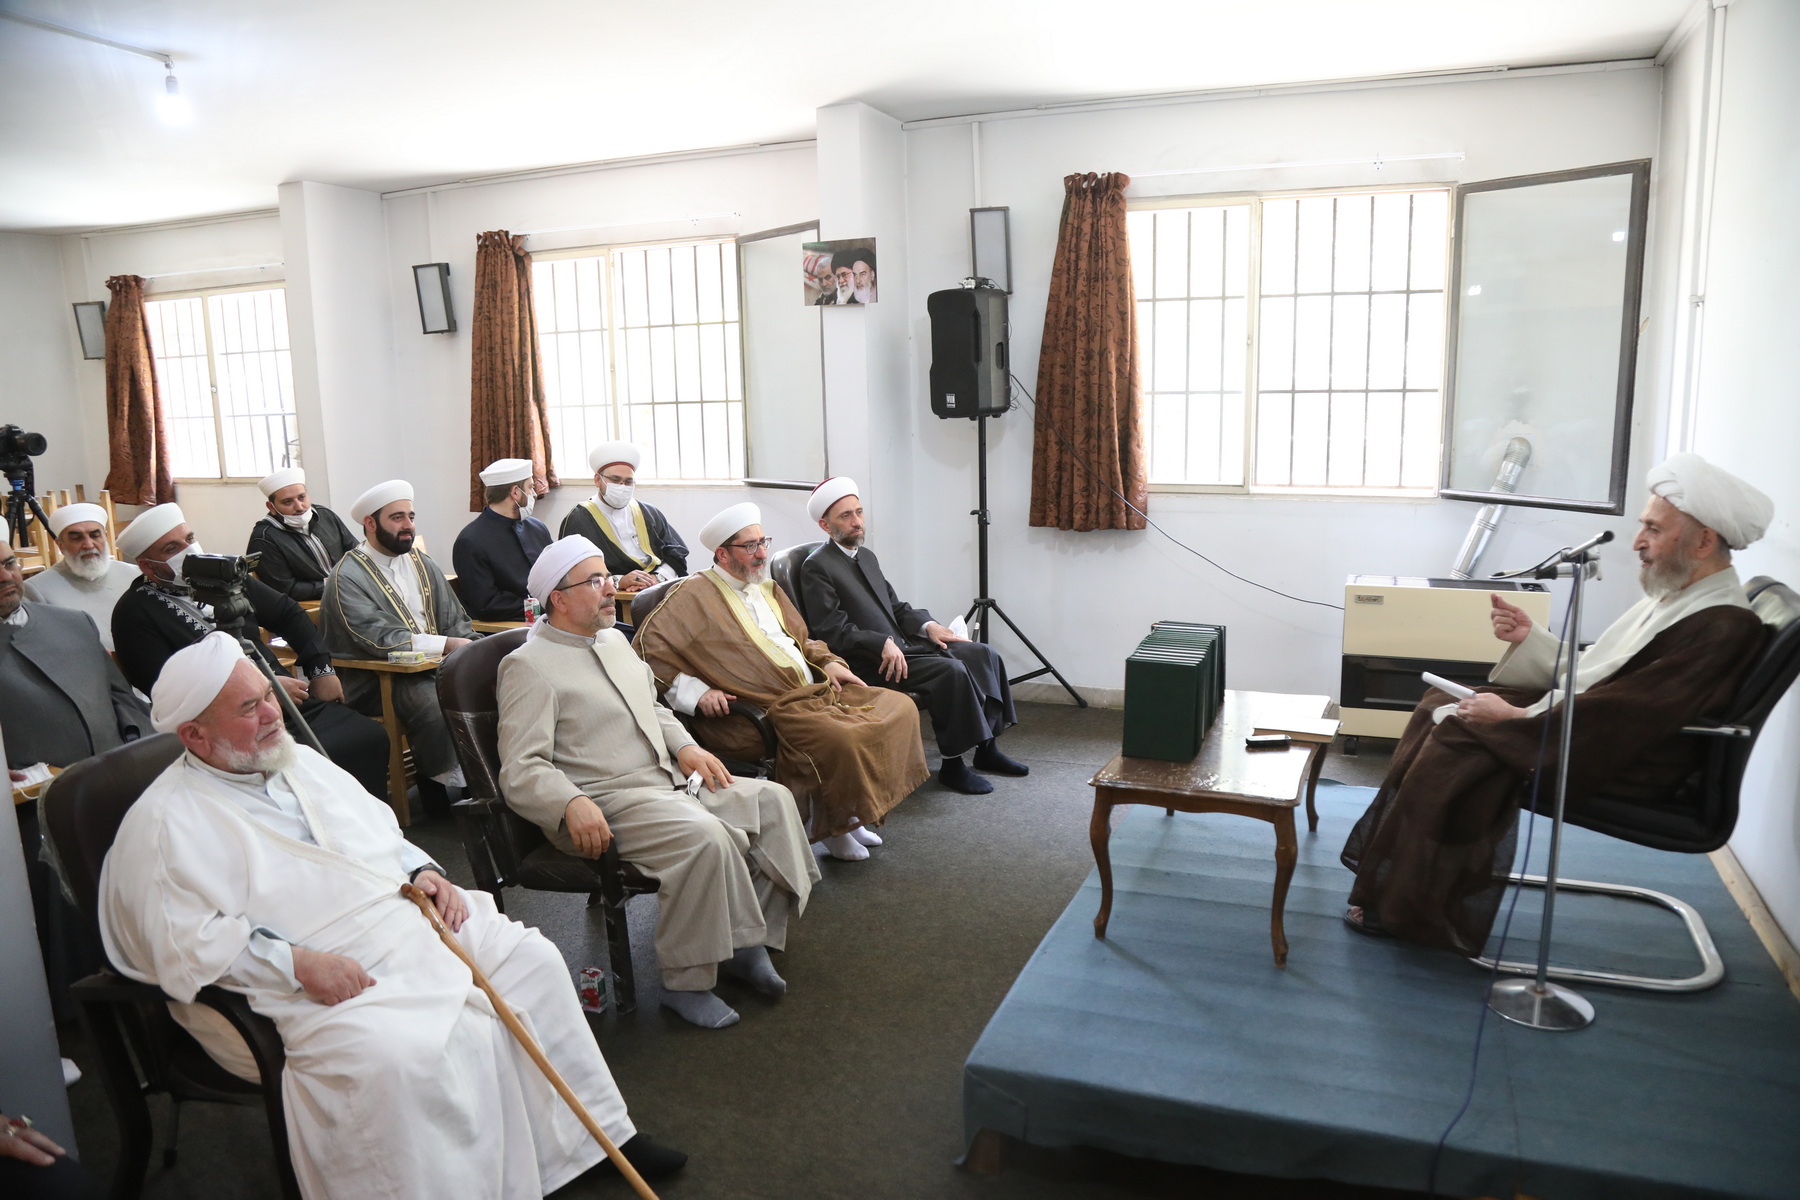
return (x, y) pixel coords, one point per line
(1576, 553)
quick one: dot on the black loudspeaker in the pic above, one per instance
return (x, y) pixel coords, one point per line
(968, 352)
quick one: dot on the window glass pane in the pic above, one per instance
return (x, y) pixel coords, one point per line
(178, 348)
(1350, 250)
(1344, 466)
(1274, 438)
(255, 392)
(1171, 254)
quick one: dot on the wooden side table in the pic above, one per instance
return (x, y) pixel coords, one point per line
(495, 626)
(390, 721)
(1224, 777)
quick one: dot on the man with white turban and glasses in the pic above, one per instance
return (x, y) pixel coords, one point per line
(254, 864)
(589, 755)
(848, 752)
(299, 541)
(386, 595)
(1432, 853)
(87, 576)
(640, 545)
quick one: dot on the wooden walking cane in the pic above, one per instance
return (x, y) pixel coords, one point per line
(512, 1022)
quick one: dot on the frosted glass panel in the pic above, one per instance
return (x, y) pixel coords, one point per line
(783, 375)
(1547, 286)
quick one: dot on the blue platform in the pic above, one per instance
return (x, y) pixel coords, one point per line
(1178, 1039)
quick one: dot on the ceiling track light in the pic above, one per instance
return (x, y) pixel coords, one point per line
(172, 104)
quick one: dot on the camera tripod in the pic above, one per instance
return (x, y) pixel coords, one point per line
(21, 508)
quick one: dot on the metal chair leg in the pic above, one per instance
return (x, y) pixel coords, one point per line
(618, 941)
(1712, 966)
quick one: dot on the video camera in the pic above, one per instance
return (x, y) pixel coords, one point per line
(218, 580)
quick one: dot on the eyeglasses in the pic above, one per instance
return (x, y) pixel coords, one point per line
(594, 581)
(752, 547)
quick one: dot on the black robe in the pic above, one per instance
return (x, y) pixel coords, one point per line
(289, 563)
(665, 543)
(1433, 851)
(850, 606)
(493, 556)
(150, 624)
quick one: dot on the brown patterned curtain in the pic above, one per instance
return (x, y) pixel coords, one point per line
(507, 414)
(1089, 440)
(139, 470)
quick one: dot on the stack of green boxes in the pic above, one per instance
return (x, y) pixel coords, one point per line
(1174, 687)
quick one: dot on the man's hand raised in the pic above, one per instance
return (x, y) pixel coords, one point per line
(329, 978)
(1511, 623)
(587, 827)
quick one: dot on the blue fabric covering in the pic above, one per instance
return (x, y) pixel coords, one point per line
(1177, 1038)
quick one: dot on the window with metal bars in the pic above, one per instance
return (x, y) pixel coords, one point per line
(642, 343)
(1293, 343)
(226, 375)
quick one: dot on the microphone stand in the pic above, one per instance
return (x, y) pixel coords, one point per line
(1537, 1002)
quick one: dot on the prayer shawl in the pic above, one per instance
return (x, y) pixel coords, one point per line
(412, 1089)
(850, 753)
(655, 535)
(65, 589)
(297, 563)
(1432, 852)
(364, 616)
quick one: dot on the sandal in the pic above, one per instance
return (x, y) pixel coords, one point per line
(1359, 920)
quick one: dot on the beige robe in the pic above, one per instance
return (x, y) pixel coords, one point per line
(578, 717)
(847, 755)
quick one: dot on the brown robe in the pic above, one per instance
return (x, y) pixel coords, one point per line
(846, 754)
(1433, 851)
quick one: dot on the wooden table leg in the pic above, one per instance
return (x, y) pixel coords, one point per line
(390, 721)
(1312, 785)
(1287, 852)
(1100, 833)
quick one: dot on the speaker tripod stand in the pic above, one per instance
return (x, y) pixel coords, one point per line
(977, 616)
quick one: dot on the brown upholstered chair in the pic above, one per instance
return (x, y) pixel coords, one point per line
(505, 850)
(141, 1049)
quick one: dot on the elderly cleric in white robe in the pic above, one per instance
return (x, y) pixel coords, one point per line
(257, 865)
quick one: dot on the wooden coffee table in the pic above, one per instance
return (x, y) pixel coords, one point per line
(1224, 777)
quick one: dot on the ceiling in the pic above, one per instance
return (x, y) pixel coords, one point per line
(389, 94)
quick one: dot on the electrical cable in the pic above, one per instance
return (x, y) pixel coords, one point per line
(1092, 470)
(1569, 641)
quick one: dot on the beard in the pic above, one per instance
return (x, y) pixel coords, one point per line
(90, 566)
(864, 295)
(395, 544)
(849, 541)
(755, 576)
(1669, 574)
(275, 755)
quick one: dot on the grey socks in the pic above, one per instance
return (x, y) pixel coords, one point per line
(702, 1008)
(752, 965)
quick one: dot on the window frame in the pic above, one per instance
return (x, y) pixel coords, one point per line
(604, 252)
(212, 368)
(1253, 199)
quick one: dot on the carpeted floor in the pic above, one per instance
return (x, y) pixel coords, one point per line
(850, 1086)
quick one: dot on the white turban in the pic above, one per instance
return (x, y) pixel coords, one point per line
(286, 477)
(75, 514)
(191, 678)
(558, 559)
(719, 530)
(379, 497)
(506, 470)
(150, 525)
(1716, 498)
(828, 494)
(612, 452)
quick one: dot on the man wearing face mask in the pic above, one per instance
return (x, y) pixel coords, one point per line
(87, 576)
(299, 541)
(158, 615)
(494, 552)
(640, 545)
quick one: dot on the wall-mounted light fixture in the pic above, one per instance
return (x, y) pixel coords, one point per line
(990, 246)
(432, 280)
(90, 323)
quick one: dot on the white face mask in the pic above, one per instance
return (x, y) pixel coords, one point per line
(618, 495)
(298, 521)
(530, 503)
(180, 556)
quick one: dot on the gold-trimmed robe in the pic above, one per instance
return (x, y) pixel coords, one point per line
(846, 754)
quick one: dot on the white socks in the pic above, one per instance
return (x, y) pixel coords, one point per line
(845, 847)
(865, 835)
(701, 1008)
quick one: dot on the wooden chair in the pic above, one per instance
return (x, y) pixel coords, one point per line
(400, 763)
(504, 849)
(142, 1051)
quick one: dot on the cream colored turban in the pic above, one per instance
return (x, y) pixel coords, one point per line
(611, 452)
(828, 494)
(558, 559)
(150, 525)
(719, 530)
(506, 470)
(286, 477)
(379, 497)
(191, 678)
(1714, 497)
(75, 514)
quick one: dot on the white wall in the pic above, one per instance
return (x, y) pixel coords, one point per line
(1747, 413)
(41, 353)
(1086, 598)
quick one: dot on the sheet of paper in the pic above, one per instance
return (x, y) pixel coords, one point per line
(959, 627)
(1442, 684)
